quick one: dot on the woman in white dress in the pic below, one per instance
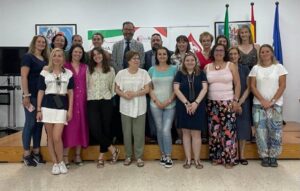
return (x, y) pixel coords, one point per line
(54, 105)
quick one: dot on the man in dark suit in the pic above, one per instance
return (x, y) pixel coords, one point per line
(156, 42)
(122, 46)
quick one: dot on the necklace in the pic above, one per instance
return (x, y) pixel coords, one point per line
(217, 67)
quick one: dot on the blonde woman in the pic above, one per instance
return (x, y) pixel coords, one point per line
(31, 66)
(268, 82)
(55, 105)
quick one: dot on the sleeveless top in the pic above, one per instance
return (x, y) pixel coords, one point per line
(249, 59)
(220, 83)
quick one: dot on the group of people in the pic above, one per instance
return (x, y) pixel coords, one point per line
(204, 94)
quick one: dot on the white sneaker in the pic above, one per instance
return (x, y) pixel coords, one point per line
(55, 169)
(62, 167)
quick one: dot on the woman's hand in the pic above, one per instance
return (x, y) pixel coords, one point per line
(193, 108)
(266, 104)
(235, 107)
(26, 102)
(39, 116)
(69, 115)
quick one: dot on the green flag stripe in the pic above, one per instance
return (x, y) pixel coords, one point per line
(105, 33)
(226, 25)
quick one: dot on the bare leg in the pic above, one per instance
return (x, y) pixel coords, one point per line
(242, 148)
(196, 144)
(66, 155)
(57, 140)
(49, 128)
(186, 134)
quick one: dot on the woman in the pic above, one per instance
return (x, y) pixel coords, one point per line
(206, 40)
(59, 41)
(132, 84)
(55, 105)
(268, 82)
(243, 119)
(182, 47)
(75, 133)
(162, 104)
(222, 39)
(31, 66)
(190, 87)
(249, 55)
(100, 89)
(223, 95)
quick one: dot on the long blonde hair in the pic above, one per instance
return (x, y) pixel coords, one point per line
(239, 35)
(45, 52)
(50, 64)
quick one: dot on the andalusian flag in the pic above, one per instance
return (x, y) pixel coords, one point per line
(226, 24)
(252, 26)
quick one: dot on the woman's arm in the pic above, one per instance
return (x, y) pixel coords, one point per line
(237, 86)
(245, 93)
(70, 109)
(40, 96)
(24, 82)
(280, 90)
(200, 97)
(264, 103)
(181, 97)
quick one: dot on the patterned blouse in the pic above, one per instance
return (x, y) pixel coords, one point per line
(100, 85)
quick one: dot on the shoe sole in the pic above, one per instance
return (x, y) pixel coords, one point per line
(168, 166)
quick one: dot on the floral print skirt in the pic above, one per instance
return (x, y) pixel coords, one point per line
(222, 132)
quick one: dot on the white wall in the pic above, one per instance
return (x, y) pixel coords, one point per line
(18, 19)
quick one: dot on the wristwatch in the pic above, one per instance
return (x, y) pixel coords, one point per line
(273, 101)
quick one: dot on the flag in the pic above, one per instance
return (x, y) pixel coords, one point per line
(276, 37)
(252, 25)
(226, 24)
(193, 43)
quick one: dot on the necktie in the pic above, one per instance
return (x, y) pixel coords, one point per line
(127, 48)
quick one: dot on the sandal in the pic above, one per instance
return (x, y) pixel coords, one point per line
(229, 166)
(236, 162)
(214, 162)
(198, 165)
(244, 162)
(115, 156)
(78, 160)
(100, 163)
(66, 161)
(187, 164)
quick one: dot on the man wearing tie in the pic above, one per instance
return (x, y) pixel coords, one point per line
(121, 47)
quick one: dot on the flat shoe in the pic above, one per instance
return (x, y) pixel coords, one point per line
(100, 163)
(187, 165)
(243, 162)
(198, 165)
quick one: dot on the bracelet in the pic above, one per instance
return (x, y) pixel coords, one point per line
(186, 103)
(273, 101)
(196, 102)
(38, 111)
(235, 99)
(26, 95)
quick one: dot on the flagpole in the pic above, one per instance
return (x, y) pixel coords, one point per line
(252, 26)
(226, 24)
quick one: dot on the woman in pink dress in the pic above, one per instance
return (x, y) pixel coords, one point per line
(76, 132)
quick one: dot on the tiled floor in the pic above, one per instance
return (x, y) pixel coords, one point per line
(152, 177)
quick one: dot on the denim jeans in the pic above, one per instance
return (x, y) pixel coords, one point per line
(163, 119)
(31, 128)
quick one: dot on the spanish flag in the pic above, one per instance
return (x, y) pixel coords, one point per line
(252, 26)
